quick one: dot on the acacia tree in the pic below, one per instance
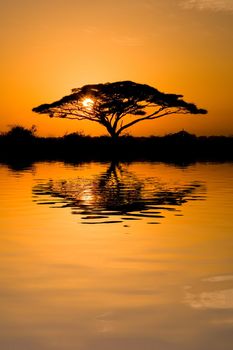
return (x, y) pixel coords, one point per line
(117, 106)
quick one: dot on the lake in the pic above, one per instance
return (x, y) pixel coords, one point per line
(111, 256)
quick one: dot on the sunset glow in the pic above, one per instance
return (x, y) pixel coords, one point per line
(116, 174)
(180, 47)
(88, 103)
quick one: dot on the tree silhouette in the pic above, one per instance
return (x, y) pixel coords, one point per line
(18, 132)
(117, 106)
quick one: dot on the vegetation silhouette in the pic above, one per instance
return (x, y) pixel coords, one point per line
(18, 132)
(117, 106)
(23, 146)
(117, 195)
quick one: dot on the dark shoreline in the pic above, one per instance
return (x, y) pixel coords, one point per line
(179, 148)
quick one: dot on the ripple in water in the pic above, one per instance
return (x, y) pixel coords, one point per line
(117, 195)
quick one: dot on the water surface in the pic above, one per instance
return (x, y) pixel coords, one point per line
(116, 256)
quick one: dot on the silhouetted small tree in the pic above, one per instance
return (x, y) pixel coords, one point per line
(18, 132)
(117, 106)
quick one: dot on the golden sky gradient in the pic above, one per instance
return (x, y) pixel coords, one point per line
(177, 46)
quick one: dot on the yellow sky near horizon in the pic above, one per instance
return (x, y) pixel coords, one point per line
(50, 47)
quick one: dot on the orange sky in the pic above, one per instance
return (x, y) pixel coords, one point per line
(182, 46)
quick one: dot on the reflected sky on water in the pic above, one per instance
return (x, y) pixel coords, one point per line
(124, 284)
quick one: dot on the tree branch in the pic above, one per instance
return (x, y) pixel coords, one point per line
(148, 117)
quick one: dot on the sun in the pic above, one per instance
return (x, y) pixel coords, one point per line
(88, 103)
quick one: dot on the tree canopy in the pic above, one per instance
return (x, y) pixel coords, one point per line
(117, 106)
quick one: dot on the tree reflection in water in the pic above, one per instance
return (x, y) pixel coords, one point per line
(116, 193)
